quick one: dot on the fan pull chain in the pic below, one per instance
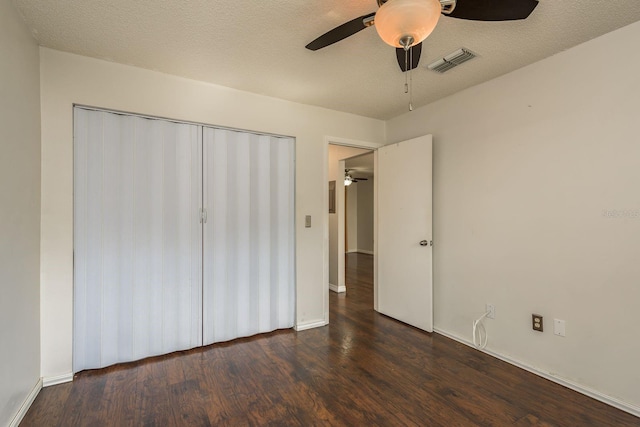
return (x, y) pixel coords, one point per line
(408, 75)
(411, 82)
(407, 43)
(406, 67)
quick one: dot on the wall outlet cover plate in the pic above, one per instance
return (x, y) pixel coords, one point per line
(536, 323)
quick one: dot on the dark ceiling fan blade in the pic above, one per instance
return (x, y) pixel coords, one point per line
(411, 60)
(493, 10)
(360, 179)
(342, 32)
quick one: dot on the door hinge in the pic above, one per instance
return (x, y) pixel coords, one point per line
(203, 215)
(430, 242)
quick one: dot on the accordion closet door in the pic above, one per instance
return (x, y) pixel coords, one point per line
(183, 236)
(137, 238)
(249, 282)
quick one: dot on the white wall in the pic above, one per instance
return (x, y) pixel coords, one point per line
(537, 210)
(335, 154)
(19, 213)
(68, 79)
(365, 215)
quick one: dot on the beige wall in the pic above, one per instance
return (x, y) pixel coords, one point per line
(68, 79)
(365, 215)
(351, 225)
(19, 213)
(537, 210)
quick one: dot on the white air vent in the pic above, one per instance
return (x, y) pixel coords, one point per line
(452, 60)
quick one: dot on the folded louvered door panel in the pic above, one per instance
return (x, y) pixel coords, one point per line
(249, 270)
(137, 238)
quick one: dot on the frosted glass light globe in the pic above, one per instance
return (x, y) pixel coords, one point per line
(400, 19)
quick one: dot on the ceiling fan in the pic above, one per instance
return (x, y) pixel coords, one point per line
(404, 24)
(348, 179)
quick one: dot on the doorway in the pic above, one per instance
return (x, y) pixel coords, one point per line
(359, 228)
(337, 221)
(330, 220)
(359, 183)
(403, 210)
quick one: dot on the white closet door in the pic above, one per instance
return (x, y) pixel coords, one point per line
(137, 238)
(249, 283)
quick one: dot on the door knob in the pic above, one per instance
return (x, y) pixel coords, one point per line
(424, 242)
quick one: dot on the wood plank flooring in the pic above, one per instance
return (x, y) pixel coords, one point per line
(363, 369)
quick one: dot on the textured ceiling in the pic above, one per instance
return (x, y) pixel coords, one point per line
(258, 46)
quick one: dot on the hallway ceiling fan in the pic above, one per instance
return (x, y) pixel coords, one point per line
(348, 179)
(404, 24)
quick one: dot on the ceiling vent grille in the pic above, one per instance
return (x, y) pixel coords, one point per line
(452, 60)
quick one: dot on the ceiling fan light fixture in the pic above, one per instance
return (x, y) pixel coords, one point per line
(347, 180)
(400, 20)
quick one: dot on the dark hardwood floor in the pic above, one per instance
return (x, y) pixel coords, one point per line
(362, 369)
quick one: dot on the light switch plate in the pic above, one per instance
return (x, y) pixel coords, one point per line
(559, 327)
(307, 221)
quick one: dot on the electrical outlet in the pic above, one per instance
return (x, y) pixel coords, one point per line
(536, 321)
(492, 311)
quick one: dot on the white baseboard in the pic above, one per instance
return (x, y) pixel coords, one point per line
(351, 251)
(310, 325)
(364, 251)
(15, 422)
(336, 288)
(59, 379)
(611, 401)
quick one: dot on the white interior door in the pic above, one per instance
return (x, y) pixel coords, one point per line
(404, 262)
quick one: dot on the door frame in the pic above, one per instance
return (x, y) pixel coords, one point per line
(325, 214)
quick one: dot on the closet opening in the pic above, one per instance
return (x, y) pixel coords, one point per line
(184, 235)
